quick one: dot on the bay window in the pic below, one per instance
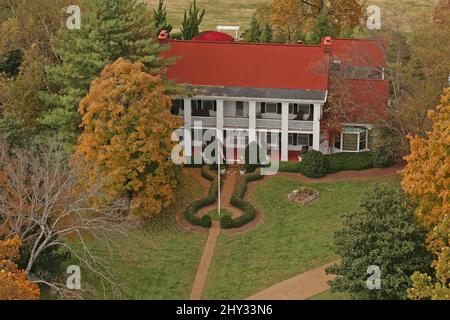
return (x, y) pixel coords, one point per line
(354, 139)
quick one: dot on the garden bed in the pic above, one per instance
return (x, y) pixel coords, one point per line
(303, 195)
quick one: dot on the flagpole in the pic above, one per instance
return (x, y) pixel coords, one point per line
(218, 172)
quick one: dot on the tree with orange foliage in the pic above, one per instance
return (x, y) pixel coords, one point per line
(127, 136)
(14, 284)
(427, 179)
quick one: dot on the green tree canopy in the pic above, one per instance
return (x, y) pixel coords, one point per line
(109, 30)
(192, 20)
(160, 18)
(254, 33)
(383, 233)
(266, 34)
(322, 28)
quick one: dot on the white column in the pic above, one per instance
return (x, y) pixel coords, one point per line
(316, 127)
(252, 122)
(187, 127)
(219, 122)
(285, 132)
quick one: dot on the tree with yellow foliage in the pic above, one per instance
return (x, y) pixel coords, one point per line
(427, 179)
(14, 284)
(426, 176)
(127, 136)
(286, 18)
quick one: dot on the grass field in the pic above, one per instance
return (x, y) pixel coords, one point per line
(292, 239)
(239, 12)
(158, 260)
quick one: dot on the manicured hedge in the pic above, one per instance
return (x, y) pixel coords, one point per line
(316, 165)
(350, 161)
(191, 212)
(237, 200)
(286, 166)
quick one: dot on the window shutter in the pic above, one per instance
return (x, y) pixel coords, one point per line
(215, 105)
(263, 107)
(279, 106)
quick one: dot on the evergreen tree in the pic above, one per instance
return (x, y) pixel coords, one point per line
(254, 33)
(266, 34)
(192, 20)
(322, 28)
(160, 17)
(384, 233)
(10, 63)
(109, 30)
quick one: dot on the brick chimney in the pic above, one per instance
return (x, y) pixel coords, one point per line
(327, 45)
(163, 36)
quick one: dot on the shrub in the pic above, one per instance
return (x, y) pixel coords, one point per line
(289, 166)
(314, 165)
(381, 158)
(226, 222)
(349, 161)
(206, 221)
(191, 212)
(249, 212)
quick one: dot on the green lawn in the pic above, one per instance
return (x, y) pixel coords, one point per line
(292, 239)
(328, 295)
(158, 260)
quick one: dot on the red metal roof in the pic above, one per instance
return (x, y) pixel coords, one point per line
(366, 101)
(249, 65)
(277, 66)
(214, 36)
(360, 52)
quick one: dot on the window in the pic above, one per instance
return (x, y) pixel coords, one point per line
(293, 108)
(271, 107)
(298, 139)
(177, 105)
(363, 141)
(239, 109)
(350, 142)
(196, 104)
(303, 139)
(209, 105)
(337, 143)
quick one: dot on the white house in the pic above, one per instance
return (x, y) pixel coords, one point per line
(256, 88)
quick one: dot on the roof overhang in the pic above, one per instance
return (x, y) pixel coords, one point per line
(259, 94)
